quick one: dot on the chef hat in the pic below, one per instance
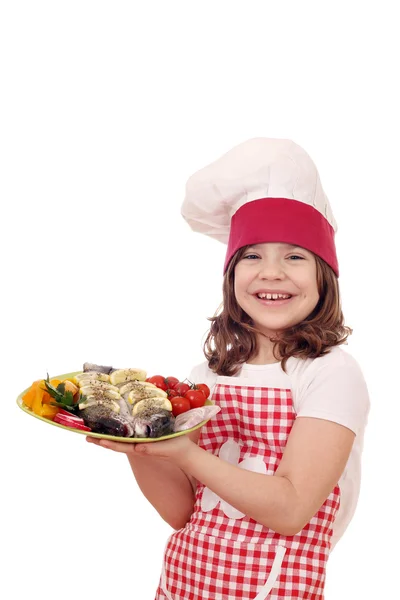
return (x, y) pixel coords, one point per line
(263, 190)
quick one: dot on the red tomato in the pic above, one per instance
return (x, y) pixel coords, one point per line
(196, 398)
(179, 405)
(203, 388)
(158, 381)
(172, 393)
(171, 382)
(182, 388)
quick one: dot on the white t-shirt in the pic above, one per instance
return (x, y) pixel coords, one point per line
(331, 387)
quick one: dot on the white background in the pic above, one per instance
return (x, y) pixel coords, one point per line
(107, 109)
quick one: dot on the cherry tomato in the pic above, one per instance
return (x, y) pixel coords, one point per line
(196, 398)
(172, 393)
(171, 382)
(158, 381)
(182, 388)
(203, 388)
(179, 405)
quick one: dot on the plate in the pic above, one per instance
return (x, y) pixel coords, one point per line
(115, 438)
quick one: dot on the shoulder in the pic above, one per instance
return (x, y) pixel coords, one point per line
(336, 361)
(331, 387)
(201, 373)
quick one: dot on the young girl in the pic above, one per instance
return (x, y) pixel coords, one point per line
(261, 495)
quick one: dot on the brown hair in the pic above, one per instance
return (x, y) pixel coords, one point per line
(232, 340)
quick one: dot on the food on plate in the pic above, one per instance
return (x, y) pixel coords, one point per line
(196, 398)
(124, 375)
(38, 399)
(203, 388)
(171, 382)
(180, 404)
(66, 395)
(153, 421)
(159, 381)
(136, 391)
(118, 402)
(99, 368)
(69, 420)
(150, 403)
(193, 417)
(182, 388)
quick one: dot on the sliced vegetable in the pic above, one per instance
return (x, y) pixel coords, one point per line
(63, 395)
(29, 396)
(49, 411)
(69, 420)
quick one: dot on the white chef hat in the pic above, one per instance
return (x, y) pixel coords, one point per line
(263, 190)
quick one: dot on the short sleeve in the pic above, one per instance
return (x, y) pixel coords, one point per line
(202, 374)
(336, 391)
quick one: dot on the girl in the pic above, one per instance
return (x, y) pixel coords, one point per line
(259, 498)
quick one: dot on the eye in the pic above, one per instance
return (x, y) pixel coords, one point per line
(251, 256)
(296, 256)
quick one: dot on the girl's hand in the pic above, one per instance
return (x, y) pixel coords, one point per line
(175, 450)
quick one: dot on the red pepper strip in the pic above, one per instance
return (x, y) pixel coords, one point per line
(71, 421)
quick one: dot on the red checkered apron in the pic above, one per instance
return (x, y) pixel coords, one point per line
(223, 554)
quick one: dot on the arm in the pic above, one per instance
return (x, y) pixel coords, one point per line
(313, 461)
(166, 486)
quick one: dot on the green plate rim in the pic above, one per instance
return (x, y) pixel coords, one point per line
(100, 435)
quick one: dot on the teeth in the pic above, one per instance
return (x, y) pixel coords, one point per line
(273, 296)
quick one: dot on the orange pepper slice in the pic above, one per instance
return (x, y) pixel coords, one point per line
(29, 396)
(39, 400)
(55, 382)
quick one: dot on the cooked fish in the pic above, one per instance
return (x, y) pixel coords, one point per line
(105, 408)
(153, 422)
(97, 368)
(102, 417)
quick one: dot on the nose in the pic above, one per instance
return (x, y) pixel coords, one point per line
(271, 269)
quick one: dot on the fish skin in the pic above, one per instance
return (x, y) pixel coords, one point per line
(153, 422)
(98, 368)
(101, 418)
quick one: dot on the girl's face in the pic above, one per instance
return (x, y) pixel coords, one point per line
(277, 269)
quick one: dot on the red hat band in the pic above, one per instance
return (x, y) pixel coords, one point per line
(286, 221)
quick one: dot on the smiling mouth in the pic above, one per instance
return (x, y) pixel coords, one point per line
(273, 297)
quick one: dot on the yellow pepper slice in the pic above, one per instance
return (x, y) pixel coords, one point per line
(49, 411)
